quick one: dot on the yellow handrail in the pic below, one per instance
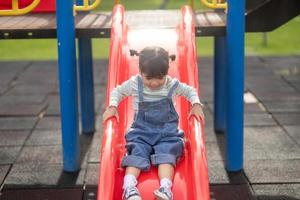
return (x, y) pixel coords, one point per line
(215, 4)
(86, 6)
(19, 11)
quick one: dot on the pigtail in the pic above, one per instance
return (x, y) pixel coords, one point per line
(134, 52)
(172, 57)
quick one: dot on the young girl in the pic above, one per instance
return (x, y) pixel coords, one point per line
(154, 134)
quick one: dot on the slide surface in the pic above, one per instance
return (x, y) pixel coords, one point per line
(191, 175)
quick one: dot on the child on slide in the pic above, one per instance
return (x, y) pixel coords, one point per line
(154, 135)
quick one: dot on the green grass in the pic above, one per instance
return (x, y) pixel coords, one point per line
(283, 41)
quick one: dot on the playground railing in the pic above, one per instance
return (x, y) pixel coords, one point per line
(87, 6)
(16, 10)
(215, 4)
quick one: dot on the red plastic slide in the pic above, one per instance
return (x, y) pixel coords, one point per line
(191, 176)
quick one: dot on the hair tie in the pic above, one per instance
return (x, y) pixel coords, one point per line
(133, 52)
(172, 57)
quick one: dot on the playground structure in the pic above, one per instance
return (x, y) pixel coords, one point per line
(228, 30)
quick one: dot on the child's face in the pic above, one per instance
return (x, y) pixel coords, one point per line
(153, 83)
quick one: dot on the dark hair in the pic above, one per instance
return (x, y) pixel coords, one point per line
(153, 61)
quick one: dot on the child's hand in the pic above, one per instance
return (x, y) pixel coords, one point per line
(110, 112)
(197, 111)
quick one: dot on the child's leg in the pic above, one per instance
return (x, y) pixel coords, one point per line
(166, 173)
(129, 187)
(131, 174)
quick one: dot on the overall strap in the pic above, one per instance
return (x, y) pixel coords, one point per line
(140, 88)
(171, 91)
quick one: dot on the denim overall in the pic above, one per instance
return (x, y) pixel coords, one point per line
(154, 133)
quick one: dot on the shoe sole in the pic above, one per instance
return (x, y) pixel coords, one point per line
(160, 196)
(135, 198)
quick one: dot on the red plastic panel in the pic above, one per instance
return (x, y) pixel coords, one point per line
(44, 6)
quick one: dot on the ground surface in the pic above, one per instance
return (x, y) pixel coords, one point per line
(30, 140)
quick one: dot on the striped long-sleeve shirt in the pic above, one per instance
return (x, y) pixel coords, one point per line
(130, 88)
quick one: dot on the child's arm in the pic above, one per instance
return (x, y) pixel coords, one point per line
(191, 95)
(117, 94)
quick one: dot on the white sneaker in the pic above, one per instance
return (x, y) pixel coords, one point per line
(163, 193)
(131, 193)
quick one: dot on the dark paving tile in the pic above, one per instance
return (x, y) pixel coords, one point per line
(294, 80)
(273, 171)
(292, 77)
(215, 151)
(41, 154)
(17, 123)
(210, 135)
(31, 89)
(282, 61)
(9, 70)
(21, 109)
(92, 174)
(218, 174)
(44, 137)
(49, 123)
(54, 106)
(8, 155)
(277, 191)
(6, 79)
(23, 99)
(294, 132)
(34, 175)
(296, 84)
(15, 66)
(269, 83)
(232, 192)
(207, 95)
(38, 76)
(90, 193)
(94, 154)
(288, 118)
(42, 194)
(253, 108)
(98, 122)
(258, 119)
(100, 73)
(248, 108)
(269, 143)
(282, 106)
(13, 138)
(209, 121)
(3, 172)
(278, 96)
(3, 88)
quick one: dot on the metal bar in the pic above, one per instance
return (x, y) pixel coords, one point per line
(219, 83)
(86, 83)
(235, 85)
(68, 84)
(192, 4)
(15, 4)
